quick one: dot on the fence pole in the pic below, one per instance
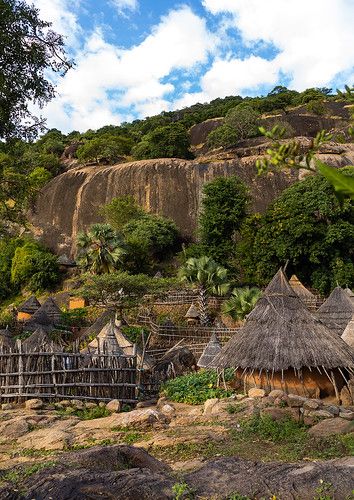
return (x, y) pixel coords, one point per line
(20, 370)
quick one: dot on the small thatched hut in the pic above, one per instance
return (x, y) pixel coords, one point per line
(349, 292)
(283, 346)
(6, 339)
(302, 292)
(192, 315)
(348, 335)
(336, 311)
(52, 310)
(39, 341)
(212, 349)
(39, 319)
(106, 341)
(28, 308)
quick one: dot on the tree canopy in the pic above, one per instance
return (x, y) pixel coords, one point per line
(28, 50)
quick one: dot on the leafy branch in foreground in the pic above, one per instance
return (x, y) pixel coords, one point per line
(293, 155)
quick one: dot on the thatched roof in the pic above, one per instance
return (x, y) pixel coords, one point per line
(52, 310)
(349, 292)
(158, 275)
(280, 333)
(337, 310)
(64, 260)
(212, 349)
(106, 341)
(97, 326)
(39, 319)
(6, 339)
(40, 341)
(30, 306)
(348, 335)
(300, 289)
(192, 313)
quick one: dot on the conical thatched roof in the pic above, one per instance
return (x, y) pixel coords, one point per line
(144, 360)
(337, 310)
(348, 335)
(52, 310)
(300, 289)
(212, 349)
(192, 312)
(39, 319)
(30, 306)
(106, 341)
(6, 339)
(64, 260)
(40, 341)
(280, 333)
(349, 292)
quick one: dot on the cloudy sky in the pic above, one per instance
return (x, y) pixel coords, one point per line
(136, 58)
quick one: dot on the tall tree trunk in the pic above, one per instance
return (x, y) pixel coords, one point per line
(203, 306)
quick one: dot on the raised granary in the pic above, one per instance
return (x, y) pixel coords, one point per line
(28, 308)
(212, 349)
(283, 346)
(348, 334)
(302, 292)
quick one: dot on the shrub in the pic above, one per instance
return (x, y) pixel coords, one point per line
(277, 431)
(316, 107)
(196, 388)
(241, 302)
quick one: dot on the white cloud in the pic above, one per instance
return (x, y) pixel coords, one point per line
(61, 13)
(102, 68)
(123, 5)
(315, 38)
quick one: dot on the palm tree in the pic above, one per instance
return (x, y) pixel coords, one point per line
(100, 249)
(241, 302)
(209, 277)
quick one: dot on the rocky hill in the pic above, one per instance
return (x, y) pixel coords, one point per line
(171, 187)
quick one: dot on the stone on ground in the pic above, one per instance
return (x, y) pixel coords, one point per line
(332, 426)
(114, 406)
(256, 393)
(34, 404)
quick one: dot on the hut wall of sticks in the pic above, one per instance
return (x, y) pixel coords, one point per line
(48, 373)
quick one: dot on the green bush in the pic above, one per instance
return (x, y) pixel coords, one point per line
(34, 268)
(196, 388)
(74, 317)
(277, 431)
(170, 141)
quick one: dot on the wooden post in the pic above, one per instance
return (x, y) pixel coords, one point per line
(20, 370)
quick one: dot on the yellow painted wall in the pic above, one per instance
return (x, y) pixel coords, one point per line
(76, 303)
(22, 316)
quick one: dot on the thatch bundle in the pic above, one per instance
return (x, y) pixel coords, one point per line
(281, 334)
(348, 334)
(30, 306)
(300, 290)
(337, 310)
(39, 341)
(52, 310)
(212, 349)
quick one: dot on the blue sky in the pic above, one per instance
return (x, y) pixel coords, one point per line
(137, 58)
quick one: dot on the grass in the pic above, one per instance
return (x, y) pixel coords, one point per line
(261, 438)
(232, 409)
(18, 475)
(195, 388)
(31, 452)
(183, 491)
(129, 435)
(84, 414)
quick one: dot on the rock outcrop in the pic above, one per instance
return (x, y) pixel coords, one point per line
(171, 187)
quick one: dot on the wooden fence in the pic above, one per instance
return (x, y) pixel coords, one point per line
(67, 375)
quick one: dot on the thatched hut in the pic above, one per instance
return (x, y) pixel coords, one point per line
(28, 308)
(106, 341)
(6, 339)
(40, 341)
(39, 319)
(52, 310)
(144, 360)
(348, 334)
(283, 346)
(212, 349)
(349, 292)
(302, 292)
(192, 315)
(336, 311)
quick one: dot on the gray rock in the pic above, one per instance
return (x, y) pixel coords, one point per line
(114, 406)
(331, 426)
(277, 393)
(256, 393)
(311, 404)
(347, 415)
(296, 401)
(34, 404)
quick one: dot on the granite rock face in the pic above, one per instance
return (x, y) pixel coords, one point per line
(171, 187)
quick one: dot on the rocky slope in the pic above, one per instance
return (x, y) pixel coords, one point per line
(171, 187)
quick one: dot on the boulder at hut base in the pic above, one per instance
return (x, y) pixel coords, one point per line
(114, 406)
(276, 393)
(256, 393)
(346, 397)
(34, 404)
(208, 405)
(296, 401)
(347, 414)
(332, 426)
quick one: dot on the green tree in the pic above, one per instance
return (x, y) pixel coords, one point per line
(223, 210)
(149, 238)
(120, 211)
(240, 123)
(241, 302)
(310, 228)
(170, 141)
(34, 268)
(209, 277)
(100, 249)
(104, 148)
(28, 51)
(7, 251)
